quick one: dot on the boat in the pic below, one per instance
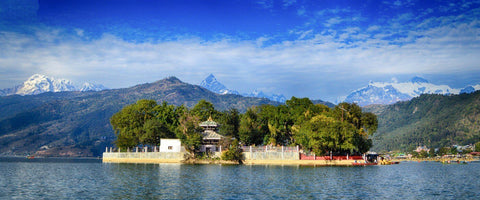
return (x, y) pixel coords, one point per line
(363, 163)
(30, 157)
(454, 162)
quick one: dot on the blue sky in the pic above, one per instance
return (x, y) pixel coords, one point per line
(316, 49)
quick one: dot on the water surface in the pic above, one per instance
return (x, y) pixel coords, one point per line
(90, 179)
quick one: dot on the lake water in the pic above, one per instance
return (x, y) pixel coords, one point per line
(90, 179)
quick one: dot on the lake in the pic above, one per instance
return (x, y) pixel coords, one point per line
(21, 178)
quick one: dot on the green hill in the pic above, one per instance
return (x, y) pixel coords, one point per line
(431, 120)
(77, 123)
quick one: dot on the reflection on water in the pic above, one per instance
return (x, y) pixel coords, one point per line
(87, 179)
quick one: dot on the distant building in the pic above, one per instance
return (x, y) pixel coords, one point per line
(170, 145)
(422, 148)
(211, 138)
(469, 147)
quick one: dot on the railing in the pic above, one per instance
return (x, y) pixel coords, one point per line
(133, 150)
(323, 157)
(270, 149)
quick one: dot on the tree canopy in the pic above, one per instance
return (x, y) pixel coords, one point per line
(145, 122)
(316, 128)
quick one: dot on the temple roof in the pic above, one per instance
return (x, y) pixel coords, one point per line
(210, 135)
(209, 123)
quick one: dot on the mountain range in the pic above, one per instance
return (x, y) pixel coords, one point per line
(38, 84)
(392, 92)
(211, 83)
(75, 123)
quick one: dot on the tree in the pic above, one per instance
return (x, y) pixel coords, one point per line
(345, 129)
(153, 131)
(279, 122)
(204, 109)
(443, 151)
(233, 153)
(423, 154)
(369, 123)
(477, 147)
(189, 133)
(230, 122)
(431, 152)
(128, 123)
(251, 131)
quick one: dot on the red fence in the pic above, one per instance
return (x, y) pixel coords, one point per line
(313, 157)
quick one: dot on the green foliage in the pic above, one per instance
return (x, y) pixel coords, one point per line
(251, 130)
(431, 153)
(430, 119)
(204, 109)
(230, 123)
(421, 154)
(453, 150)
(317, 128)
(233, 153)
(145, 123)
(443, 151)
(189, 133)
(477, 147)
(62, 119)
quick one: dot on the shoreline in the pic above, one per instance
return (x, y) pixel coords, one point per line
(245, 162)
(434, 160)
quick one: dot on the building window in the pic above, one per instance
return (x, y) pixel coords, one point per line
(170, 147)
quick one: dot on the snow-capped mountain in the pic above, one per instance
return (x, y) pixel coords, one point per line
(92, 87)
(38, 84)
(212, 84)
(470, 89)
(273, 97)
(392, 92)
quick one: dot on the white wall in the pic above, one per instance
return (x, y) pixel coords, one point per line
(174, 144)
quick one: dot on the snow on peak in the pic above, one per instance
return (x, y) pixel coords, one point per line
(39, 83)
(92, 87)
(392, 92)
(211, 83)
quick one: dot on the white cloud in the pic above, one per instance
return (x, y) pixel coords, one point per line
(373, 28)
(301, 11)
(287, 3)
(320, 58)
(333, 21)
(267, 4)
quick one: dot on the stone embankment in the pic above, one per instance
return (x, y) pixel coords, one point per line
(253, 156)
(142, 157)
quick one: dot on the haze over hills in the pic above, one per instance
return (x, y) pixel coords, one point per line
(77, 123)
(38, 84)
(392, 92)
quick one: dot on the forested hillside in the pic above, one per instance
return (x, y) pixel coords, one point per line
(431, 120)
(77, 123)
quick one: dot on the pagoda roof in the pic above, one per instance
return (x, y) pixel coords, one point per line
(209, 123)
(211, 135)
